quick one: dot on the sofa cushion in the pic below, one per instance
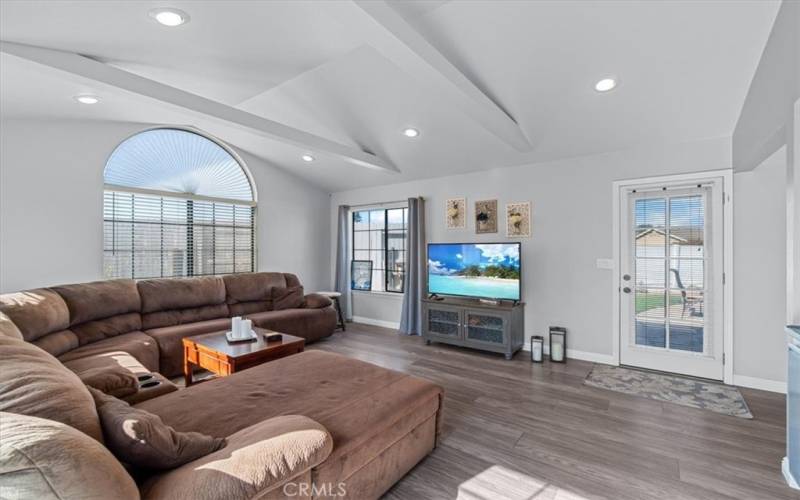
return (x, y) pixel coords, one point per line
(257, 459)
(8, 328)
(32, 382)
(176, 301)
(97, 330)
(36, 312)
(111, 360)
(48, 460)
(287, 298)
(365, 408)
(58, 343)
(137, 344)
(170, 342)
(311, 324)
(181, 293)
(117, 382)
(99, 299)
(139, 438)
(249, 287)
(316, 301)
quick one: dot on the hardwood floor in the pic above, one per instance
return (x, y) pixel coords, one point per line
(518, 430)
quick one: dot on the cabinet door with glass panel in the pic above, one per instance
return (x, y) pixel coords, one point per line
(443, 321)
(485, 328)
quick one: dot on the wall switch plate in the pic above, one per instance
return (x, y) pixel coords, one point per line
(605, 263)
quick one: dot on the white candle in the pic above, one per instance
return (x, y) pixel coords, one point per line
(247, 328)
(236, 327)
(558, 352)
(537, 352)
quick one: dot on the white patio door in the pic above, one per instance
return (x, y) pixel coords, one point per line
(671, 278)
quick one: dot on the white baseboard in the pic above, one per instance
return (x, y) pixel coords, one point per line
(376, 322)
(759, 383)
(787, 474)
(604, 359)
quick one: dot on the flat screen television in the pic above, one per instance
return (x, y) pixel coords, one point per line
(482, 270)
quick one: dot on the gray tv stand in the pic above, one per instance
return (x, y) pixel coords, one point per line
(496, 327)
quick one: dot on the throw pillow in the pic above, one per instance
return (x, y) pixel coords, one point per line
(141, 439)
(287, 298)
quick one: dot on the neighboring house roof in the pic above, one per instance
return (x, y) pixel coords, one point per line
(653, 230)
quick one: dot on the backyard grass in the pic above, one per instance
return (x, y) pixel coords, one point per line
(646, 301)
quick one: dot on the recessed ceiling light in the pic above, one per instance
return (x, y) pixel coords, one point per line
(307, 158)
(605, 85)
(170, 17)
(87, 99)
(411, 132)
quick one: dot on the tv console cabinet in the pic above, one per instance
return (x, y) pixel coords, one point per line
(470, 323)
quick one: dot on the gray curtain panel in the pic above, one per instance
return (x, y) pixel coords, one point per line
(343, 262)
(414, 290)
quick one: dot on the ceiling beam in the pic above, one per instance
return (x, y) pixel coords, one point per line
(395, 38)
(96, 71)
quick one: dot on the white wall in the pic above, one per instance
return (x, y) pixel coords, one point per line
(51, 192)
(571, 229)
(572, 221)
(759, 270)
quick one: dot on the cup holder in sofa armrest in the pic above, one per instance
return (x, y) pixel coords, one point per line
(145, 377)
(152, 383)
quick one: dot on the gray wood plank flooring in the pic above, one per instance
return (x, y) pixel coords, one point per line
(517, 430)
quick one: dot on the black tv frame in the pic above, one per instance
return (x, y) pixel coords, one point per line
(428, 285)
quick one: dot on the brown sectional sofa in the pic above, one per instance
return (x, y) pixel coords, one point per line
(149, 318)
(380, 423)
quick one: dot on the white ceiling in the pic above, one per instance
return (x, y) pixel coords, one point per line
(684, 70)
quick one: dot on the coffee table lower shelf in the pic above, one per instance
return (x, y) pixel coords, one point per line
(214, 353)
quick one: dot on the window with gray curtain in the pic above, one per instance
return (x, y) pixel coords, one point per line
(379, 235)
(176, 204)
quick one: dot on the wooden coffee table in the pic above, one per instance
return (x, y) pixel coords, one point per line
(213, 352)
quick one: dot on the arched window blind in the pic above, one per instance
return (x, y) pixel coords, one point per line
(176, 204)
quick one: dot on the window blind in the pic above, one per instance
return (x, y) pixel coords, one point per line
(153, 236)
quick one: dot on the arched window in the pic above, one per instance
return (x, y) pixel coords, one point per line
(176, 203)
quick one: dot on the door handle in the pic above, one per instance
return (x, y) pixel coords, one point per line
(626, 290)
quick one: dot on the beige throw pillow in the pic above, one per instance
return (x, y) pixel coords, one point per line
(141, 439)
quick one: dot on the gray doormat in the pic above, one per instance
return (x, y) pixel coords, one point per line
(679, 390)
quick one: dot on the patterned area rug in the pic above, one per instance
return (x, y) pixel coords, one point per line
(683, 391)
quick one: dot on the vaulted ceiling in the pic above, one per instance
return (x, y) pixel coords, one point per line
(487, 83)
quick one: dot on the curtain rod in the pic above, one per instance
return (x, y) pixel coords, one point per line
(381, 203)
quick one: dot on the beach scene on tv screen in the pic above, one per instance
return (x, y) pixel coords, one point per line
(477, 270)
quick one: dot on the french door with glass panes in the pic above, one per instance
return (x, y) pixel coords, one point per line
(671, 278)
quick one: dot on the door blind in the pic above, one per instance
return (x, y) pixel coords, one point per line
(152, 236)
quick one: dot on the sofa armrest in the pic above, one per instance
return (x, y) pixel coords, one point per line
(317, 301)
(256, 460)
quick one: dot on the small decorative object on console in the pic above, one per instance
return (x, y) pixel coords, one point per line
(537, 347)
(558, 344)
(271, 337)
